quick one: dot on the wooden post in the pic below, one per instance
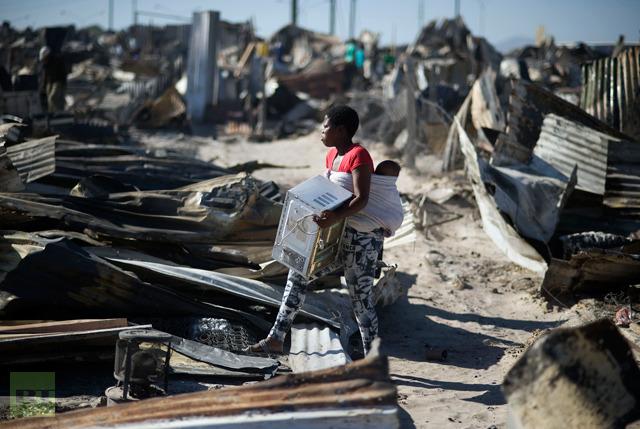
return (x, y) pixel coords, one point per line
(262, 109)
(409, 155)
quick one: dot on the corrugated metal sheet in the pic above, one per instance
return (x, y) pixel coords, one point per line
(611, 90)
(364, 384)
(147, 88)
(384, 417)
(564, 144)
(9, 176)
(34, 158)
(622, 187)
(315, 347)
(530, 104)
(503, 235)
(607, 165)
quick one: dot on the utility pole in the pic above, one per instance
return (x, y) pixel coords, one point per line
(457, 8)
(134, 11)
(482, 18)
(294, 12)
(352, 19)
(110, 14)
(420, 14)
(332, 17)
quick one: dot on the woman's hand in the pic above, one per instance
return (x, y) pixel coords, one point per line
(326, 219)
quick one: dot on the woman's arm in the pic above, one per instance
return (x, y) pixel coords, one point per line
(361, 186)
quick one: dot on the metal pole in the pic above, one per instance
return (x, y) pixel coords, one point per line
(332, 16)
(110, 14)
(294, 12)
(420, 14)
(457, 11)
(352, 20)
(134, 11)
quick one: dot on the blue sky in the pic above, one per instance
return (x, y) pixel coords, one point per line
(397, 20)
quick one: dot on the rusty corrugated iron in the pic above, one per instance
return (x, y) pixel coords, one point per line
(34, 158)
(565, 144)
(364, 383)
(529, 104)
(622, 188)
(607, 165)
(611, 90)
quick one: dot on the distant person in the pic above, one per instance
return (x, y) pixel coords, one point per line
(350, 52)
(359, 56)
(53, 80)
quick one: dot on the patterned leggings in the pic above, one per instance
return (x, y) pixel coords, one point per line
(359, 257)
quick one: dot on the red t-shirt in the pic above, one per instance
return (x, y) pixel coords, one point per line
(354, 158)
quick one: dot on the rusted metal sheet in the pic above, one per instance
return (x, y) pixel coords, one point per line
(93, 344)
(361, 384)
(62, 326)
(607, 165)
(34, 158)
(145, 169)
(565, 144)
(529, 104)
(201, 281)
(227, 208)
(610, 90)
(622, 188)
(80, 284)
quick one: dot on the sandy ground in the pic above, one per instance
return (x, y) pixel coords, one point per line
(464, 296)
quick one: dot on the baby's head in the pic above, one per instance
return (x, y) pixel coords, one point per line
(388, 168)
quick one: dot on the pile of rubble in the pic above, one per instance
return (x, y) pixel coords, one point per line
(167, 243)
(174, 254)
(109, 240)
(556, 187)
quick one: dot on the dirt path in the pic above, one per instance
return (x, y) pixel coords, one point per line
(464, 297)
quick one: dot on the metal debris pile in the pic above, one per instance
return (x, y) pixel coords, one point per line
(556, 186)
(107, 239)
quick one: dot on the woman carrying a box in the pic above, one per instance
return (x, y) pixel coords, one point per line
(361, 242)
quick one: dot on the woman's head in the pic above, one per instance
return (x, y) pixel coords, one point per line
(340, 125)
